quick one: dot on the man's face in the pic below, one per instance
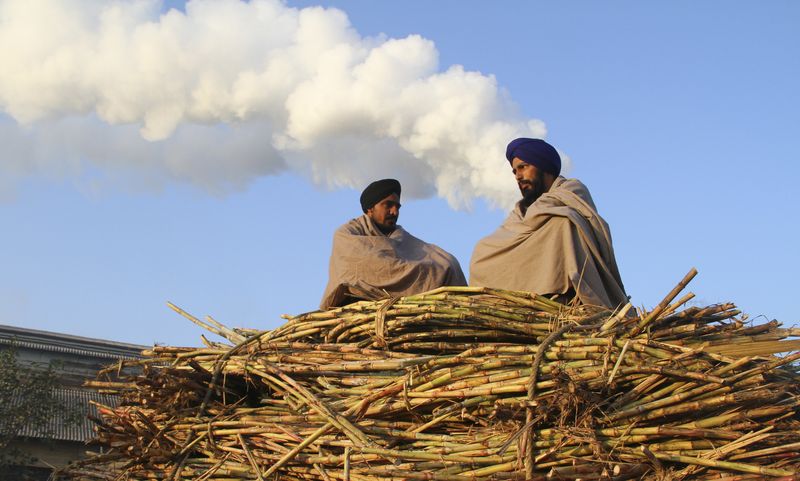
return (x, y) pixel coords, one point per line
(530, 180)
(385, 213)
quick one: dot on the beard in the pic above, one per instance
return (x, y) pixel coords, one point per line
(531, 190)
(388, 225)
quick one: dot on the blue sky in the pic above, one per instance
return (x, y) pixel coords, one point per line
(681, 118)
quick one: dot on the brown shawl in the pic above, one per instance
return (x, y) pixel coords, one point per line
(561, 244)
(367, 264)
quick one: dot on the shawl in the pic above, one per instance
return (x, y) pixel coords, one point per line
(560, 244)
(367, 264)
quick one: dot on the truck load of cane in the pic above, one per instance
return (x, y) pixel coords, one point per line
(462, 384)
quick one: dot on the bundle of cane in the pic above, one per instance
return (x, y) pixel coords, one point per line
(463, 384)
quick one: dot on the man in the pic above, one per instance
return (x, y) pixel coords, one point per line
(373, 257)
(554, 241)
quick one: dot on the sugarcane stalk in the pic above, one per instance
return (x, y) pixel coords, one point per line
(662, 306)
(728, 465)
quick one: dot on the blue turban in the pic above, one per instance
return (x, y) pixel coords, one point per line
(535, 152)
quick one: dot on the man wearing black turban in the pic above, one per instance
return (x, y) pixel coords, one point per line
(381, 202)
(554, 241)
(373, 257)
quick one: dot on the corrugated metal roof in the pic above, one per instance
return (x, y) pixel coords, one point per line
(76, 399)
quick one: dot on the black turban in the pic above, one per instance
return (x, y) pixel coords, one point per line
(377, 191)
(535, 152)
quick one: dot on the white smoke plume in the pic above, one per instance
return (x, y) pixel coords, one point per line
(228, 91)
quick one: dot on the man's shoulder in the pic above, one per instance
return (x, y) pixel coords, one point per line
(355, 226)
(565, 190)
(570, 185)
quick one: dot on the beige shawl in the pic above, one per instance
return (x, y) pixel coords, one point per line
(367, 264)
(560, 244)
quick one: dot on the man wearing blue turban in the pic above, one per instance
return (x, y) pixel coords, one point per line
(554, 242)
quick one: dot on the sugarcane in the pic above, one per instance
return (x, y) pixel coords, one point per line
(446, 385)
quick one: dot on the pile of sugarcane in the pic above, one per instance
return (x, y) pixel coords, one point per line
(463, 384)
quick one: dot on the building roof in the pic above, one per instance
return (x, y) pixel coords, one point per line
(76, 400)
(67, 343)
